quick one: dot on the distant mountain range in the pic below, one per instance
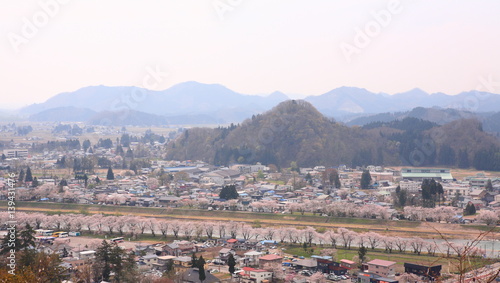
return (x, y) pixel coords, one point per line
(198, 103)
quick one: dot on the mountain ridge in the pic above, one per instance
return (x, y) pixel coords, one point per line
(194, 98)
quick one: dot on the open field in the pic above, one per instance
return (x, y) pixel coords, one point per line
(384, 227)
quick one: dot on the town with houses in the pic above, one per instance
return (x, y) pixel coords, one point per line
(259, 253)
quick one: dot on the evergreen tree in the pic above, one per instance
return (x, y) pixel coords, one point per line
(27, 237)
(102, 263)
(308, 178)
(366, 179)
(201, 262)
(86, 145)
(64, 253)
(201, 273)
(439, 191)
(428, 193)
(489, 186)
(229, 192)
(362, 254)
(402, 198)
(63, 183)
(4, 157)
(336, 180)
(470, 209)
(194, 260)
(35, 184)
(231, 262)
(20, 178)
(110, 175)
(8, 245)
(29, 177)
(119, 150)
(129, 154)
(86, 179)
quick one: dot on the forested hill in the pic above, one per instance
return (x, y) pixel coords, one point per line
(295, 131)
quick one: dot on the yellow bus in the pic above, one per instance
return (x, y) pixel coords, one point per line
(42, 232)
(60, 234)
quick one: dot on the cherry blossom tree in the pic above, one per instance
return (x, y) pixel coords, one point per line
(246, 231)
(198, 229)
(141, 224)
(89, 223)
(388, 243)
(221, 228)
(417, 244)
(110, 223)
(152, 183)
(292, 234)
(373, 239)
(308, 234)
(431, 248)
(121, 223)
(152, 224)
(176, 226)
(346, 236)
(317, 277)
(320, 238)
(487, 217)
(209, 229)
(401, 244)
(233, 228)
(203, 203)
(187, 229)
(332, 237)
(163, 226)
(268, 233)
(409, 277)
(282, 234)
(232, 203)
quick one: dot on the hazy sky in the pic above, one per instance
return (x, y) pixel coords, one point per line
(250, 46)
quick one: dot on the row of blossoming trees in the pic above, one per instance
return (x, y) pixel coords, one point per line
(135, 226)
(337, 209)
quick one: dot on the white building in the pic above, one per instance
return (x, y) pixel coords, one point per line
(13, 153)
(410, 186)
